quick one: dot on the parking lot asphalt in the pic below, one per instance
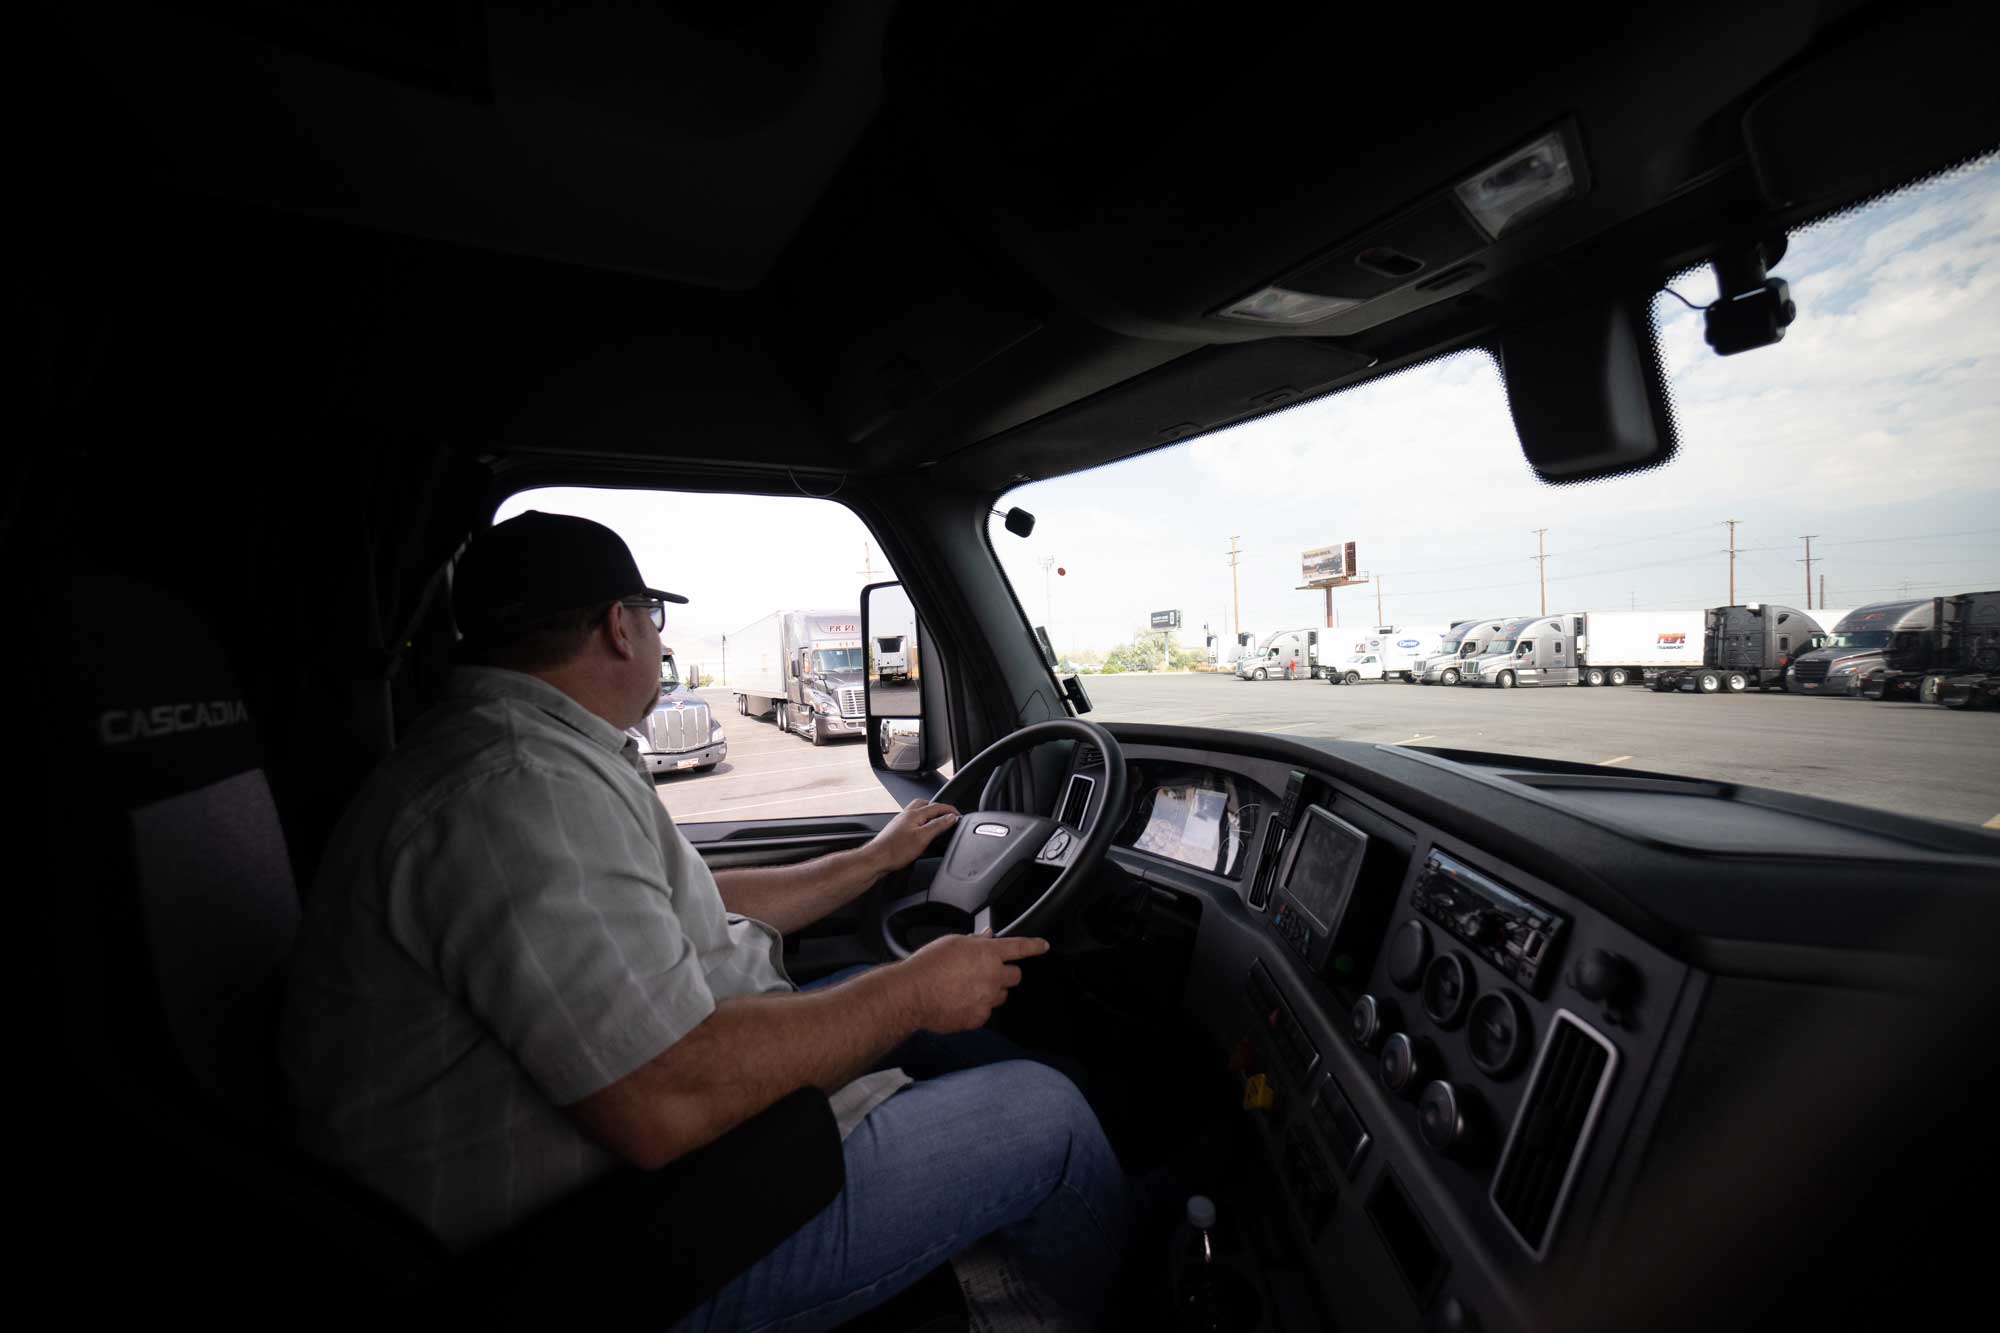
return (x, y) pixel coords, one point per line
(1911, 758)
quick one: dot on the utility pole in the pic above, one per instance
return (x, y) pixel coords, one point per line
(1378, 600)
(1822, 594)
(1807, 562)
(867, 570)
(1732, 522)
(1542, 568)
(1235, 594)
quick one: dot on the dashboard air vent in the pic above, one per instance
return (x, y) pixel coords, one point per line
(1076, 800)
(1545, 1148)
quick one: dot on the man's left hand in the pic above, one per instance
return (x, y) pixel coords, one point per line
(906, 836)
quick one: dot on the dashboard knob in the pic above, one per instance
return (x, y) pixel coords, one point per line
(1404, 1062)
(1409, 953)
(1452, 1121)
(1605, 977)
(1448, 987)
(1370, 1020)
(1498, 1033)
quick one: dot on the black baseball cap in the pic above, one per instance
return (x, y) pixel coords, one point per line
(536, 565)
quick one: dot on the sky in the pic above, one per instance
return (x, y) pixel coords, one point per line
(1874, 424)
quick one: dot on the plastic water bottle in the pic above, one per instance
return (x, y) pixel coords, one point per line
(1197, 1271)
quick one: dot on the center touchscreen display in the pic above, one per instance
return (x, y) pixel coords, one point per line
(1324, 862)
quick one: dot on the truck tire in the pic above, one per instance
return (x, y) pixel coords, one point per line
(1353, 678)
(816, 733)
(1261, 674)
(1450, 677)
(1736, 682)
(1708, 682)
(1506, 680)
(1594, 676)
(1617, 676)
(743, 705)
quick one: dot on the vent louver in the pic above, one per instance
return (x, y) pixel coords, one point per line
(1552, 1131)
(1076, 801)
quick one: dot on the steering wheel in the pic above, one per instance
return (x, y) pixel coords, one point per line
(989, 848)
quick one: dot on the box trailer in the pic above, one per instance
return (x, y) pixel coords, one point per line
(1593, 648)
(804, 669)
(1743, 648)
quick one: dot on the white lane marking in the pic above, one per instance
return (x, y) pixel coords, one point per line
(1602, 763)
(773, 772)
(1427, 736)
(796, 800)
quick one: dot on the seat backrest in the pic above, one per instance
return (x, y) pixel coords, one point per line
(167, 912)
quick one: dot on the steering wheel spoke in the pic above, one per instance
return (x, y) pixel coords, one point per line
(1059, 850)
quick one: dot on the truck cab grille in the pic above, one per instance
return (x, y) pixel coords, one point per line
(850, 701)
(1811, 672)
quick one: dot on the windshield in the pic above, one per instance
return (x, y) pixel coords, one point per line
(828, 660)
(669, 677)
(1856, 461)
(1860, 638)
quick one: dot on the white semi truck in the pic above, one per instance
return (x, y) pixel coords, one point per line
(1468, 639)
(1288, 654)
(1590, 648)
(804, 669)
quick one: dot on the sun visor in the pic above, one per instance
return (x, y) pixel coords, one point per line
(1586, 391)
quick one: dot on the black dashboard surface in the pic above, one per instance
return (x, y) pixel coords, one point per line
(1462, 1066)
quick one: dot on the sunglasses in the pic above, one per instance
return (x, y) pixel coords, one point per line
(656, 611)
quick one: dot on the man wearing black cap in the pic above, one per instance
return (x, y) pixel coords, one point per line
(515, 973)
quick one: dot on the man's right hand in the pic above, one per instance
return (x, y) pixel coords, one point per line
(957, 981)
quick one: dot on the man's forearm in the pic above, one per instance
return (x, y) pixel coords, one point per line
(788, 897)
(749, 1052)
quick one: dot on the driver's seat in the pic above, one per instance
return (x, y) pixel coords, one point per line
(164, 925)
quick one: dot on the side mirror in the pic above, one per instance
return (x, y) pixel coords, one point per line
(892, 678)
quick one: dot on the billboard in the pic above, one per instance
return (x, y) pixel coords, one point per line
(1324, 563)
(1166, 620)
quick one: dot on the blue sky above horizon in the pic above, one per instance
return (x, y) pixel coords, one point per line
(1875, 424)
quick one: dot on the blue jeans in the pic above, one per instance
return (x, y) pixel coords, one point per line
(974, 1149)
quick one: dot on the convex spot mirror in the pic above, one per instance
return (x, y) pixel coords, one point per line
(893, 677)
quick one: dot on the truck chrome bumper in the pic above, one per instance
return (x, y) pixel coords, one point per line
(836, 725)
(657, 762)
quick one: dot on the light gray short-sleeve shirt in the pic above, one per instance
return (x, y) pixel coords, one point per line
(505, 922)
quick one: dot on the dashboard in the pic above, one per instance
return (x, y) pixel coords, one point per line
(1468, 1007)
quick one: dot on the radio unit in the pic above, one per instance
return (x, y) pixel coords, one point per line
(1514, 933)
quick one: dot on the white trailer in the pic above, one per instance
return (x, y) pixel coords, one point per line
(804, 668)
(1592, 648)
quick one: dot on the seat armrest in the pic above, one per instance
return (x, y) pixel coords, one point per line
(645, 1247)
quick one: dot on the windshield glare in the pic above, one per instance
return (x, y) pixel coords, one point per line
(827, 660)
(1860, 638)
(1873, 426)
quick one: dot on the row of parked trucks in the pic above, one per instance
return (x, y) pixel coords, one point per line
(1943, 650)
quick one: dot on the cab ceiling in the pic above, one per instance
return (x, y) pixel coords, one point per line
(982, 239)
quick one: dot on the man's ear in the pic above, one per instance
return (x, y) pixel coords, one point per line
(618, 632)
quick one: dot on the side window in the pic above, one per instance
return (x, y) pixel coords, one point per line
(1527, 646)
(1784, 644)
(763, 718)
(1559, 647)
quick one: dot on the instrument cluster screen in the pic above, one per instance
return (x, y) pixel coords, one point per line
(1199, 818)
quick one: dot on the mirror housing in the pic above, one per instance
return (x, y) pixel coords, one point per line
(1587, 392)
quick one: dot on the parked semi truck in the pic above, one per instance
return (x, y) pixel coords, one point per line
(1592, 648)
(804, 669)
(1743, 648)
(1287, 654)
(681, 732)
(1856, 645)
(1957, 665)
(1467, 639)
(892, 658)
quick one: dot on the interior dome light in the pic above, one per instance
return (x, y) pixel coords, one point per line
(1281, 305)
(1520, 185)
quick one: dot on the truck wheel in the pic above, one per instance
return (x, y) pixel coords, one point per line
(1708, 682)
(1736, 682)
(1506, 681)
(817, 734)
(743, 705)
(1353, 678)
(1261, 674)
(1594, 676)
(1450, 677)
(1617, 676)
